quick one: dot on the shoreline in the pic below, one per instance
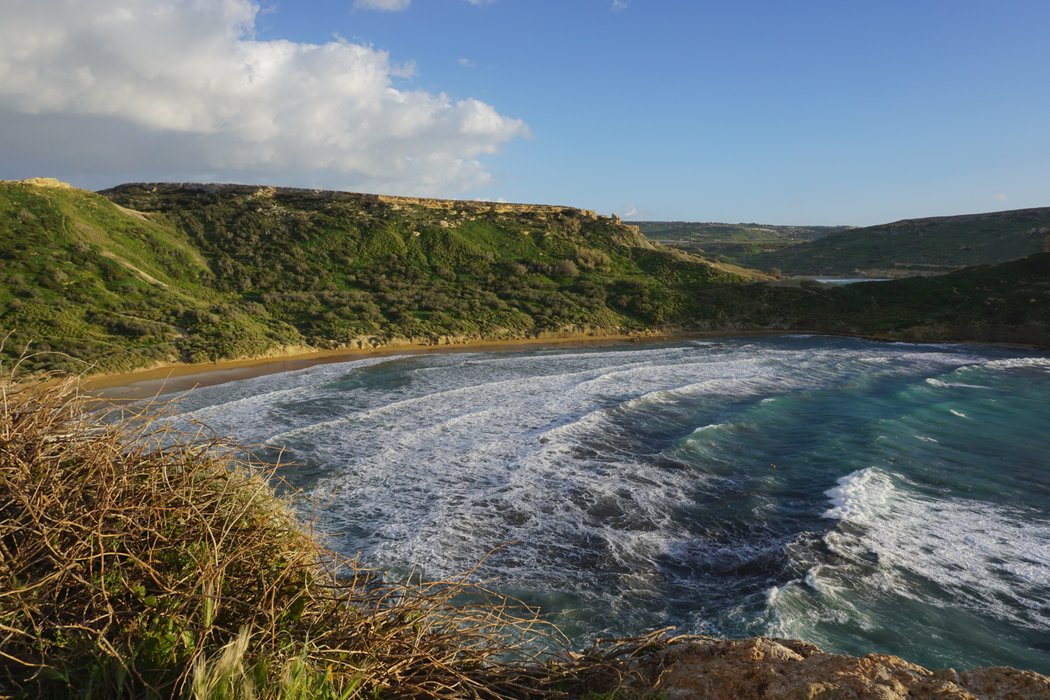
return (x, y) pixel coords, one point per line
(184, 376)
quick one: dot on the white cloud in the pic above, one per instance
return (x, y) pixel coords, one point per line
(465, 62)
(1001, 197)
(618, 5)
(174, 87)
(401, 5)
(383, 5)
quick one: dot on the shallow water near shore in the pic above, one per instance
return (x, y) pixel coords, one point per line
(863, 496)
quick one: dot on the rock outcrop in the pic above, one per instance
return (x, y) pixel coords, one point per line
(786, 670)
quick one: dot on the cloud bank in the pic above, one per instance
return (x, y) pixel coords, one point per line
(182, 89)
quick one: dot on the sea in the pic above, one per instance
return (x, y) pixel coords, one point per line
(863, 496)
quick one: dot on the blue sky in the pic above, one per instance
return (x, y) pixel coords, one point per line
(806, 112)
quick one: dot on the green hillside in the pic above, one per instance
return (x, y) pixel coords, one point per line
(161, 273)
(914, 246)
(153, 273)
(83, 277)
(731, 241)
(1008, 302)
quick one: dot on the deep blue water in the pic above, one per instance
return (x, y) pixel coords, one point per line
(863, 496)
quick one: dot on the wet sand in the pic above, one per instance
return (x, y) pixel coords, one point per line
(147, 383)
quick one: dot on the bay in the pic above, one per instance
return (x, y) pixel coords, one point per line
(867, 497)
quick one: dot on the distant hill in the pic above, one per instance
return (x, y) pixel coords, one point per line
(1008, 302)
(169, 272)
(914, 246)
(731, 241)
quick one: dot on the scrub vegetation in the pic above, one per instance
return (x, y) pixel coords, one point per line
(914, 246)
(1006, 303)
(198, 273)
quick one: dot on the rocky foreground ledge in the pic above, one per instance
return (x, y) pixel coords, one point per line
(716, 669)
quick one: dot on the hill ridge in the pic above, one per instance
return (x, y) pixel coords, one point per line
(915, 246)
(964, 217)
(429, 202)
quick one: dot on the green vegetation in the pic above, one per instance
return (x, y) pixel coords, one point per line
(1009, 302)
(914, 246)
(732, 242)
(199, 273)
(83, 277)
(138, 563)
(193, 273)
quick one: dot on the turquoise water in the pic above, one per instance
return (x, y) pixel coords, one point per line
(862, 496)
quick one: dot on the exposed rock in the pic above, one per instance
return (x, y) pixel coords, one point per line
(786, 670)
(43, 182)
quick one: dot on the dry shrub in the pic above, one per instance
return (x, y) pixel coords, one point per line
(140, 562)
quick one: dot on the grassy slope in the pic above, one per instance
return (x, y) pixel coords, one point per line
(732, 241)
(915, 245)
(1009, 302)
(213, 272)
(82, 276)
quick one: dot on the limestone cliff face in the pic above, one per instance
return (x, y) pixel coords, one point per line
(783, 669)
(447, 213)
(484, 206)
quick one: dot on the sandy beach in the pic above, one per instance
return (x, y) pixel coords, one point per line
(155, 381)
(176, 377)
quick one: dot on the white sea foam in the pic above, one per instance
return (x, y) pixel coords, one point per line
(1042, 363)
(547, 449)
(433, 471)
(857, 494)
(984, 557)
(429, 462)
(712, 427)
(941, 384)
(251, 409)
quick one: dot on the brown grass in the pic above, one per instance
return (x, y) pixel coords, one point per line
(139, 562)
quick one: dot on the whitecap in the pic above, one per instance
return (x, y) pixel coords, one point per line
(940, 384)
(987, 558)
(857, 494)
(1042, 363)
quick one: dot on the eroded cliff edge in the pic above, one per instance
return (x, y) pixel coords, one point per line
(784, 669)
